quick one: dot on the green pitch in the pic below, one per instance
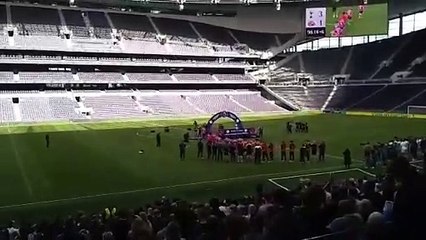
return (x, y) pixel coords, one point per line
(374, 21)
(93, 166)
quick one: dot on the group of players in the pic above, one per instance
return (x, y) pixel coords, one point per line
(256, 150)
(345, 17)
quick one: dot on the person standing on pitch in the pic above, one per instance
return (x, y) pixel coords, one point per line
(200, 147)
(271, 151)
(292, 149)
(321, 148)
(283, 151)
(182, 150)
(347, 159)
(257, 153)
(47, 140)
(158, 137)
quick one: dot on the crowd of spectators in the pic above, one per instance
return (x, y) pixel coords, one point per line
(388, 207)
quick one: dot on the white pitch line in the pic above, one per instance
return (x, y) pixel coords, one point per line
(158, 188)
(277, 184)
(365, 172)
(20, 164)
(273, 180)
(314, 174)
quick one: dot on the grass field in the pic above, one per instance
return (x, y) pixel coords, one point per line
(374, 21)
(95, 165)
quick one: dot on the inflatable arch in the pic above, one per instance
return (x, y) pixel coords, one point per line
(224, 114)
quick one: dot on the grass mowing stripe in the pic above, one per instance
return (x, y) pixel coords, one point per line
(20, 165)
(162, 188)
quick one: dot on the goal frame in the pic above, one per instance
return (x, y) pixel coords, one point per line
(409, 107)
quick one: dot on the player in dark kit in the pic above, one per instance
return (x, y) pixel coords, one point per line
(314, 148)
(271, 152)
(292, 149)
(308, 151)
(182, 150)
(47, 139)
(283, 151)
(347, 159)
(321, 148)
(200, 147)
(303, 153)
(158, 137)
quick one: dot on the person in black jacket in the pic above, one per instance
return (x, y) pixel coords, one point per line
(347, 159)
(158, 138)
(200, 148)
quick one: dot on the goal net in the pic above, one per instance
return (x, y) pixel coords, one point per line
(416, 110)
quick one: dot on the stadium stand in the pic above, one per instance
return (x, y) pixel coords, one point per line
(3, 18)
(385, 58)
(312, 97)
(234, 77)
(412, 48)
(112, 106)
(176, 30)
(100, 76)
(215, 34)
(133, 26)
(391, 97)
(154, 77)
(194, 77)
(6, 110)
(37, 106)
(41, 21)
(345, 96)
(42, 109)
(75, 23)
(98, 21)
(45, 77)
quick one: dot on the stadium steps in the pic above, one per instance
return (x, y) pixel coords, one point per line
(195, 30)
(239, 104)
(194, 106)
(301, 63)
(289, 105)
(348, 59)
(391, 57)
(408, 101)
(17, 112)
(62, 17)
(153, 25)
(108, 18)
(233, 36)
(330, 96)
(8, 14)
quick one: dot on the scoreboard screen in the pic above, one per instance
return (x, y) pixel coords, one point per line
(345, 18)
(315, 21)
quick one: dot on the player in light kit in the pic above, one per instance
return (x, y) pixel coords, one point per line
(361, 8)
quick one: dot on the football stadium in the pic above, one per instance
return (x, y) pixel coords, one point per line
(212, 120)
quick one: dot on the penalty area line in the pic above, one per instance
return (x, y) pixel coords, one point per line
(88, 197)
(274, 180)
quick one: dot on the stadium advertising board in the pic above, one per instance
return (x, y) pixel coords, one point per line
(345, 18)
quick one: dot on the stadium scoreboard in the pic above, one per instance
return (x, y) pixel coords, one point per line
(342, 18)
(315, 22)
